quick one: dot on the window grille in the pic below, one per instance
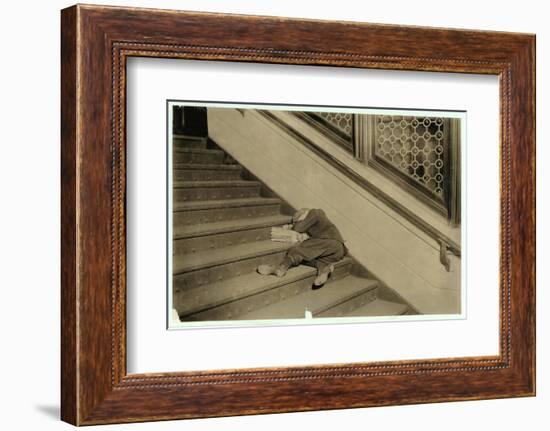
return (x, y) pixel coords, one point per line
(337, 126)
(421, 153)
(415, 147)
(340, 121)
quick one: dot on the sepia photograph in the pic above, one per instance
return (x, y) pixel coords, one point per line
(294, 213)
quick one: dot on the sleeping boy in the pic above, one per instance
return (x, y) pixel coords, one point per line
(323, 247)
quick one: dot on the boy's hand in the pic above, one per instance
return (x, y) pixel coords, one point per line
(302, 237)
(287, 226)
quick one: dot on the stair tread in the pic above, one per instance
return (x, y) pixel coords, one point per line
(190, 137)
(379, 307)
(215, 183)
(197, 150)
(207, 166)
(221, 256)
(315, 301)
(233, 289)
(225, 203)
(202, 229)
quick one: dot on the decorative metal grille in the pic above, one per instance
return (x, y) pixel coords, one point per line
(341, 121)
(419, 153)
(415, 146)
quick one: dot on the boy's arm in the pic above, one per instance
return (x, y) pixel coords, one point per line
(305, 224)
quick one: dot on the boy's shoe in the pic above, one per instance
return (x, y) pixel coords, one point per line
(322, 277)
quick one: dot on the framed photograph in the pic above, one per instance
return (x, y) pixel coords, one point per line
(262, 214)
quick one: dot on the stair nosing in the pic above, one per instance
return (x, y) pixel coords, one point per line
(265, 222)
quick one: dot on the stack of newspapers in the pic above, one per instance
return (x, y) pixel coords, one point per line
(280, 234)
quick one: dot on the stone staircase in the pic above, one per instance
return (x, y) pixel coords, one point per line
(221, 233)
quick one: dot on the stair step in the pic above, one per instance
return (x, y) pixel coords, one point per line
(224, 299)
(198, 155)
(215, 190)
(210, 258)
(209, 266)
(225, 203)
(180, 141)
(334, 295)
(215, 184)
(207, 166)
(220, 240)
(202, 277)
(243, 209)
(199, 150)
(206, 172)
(190, 231)
(380, 307)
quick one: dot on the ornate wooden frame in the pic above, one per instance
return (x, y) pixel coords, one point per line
(95, 42)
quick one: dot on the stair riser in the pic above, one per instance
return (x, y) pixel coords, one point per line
(189, 143)
(210, 157)
(351, 304)
(185, 218)
(206, 174)
(215, 193)
(185, 281)
(213, 242)
(238, 307)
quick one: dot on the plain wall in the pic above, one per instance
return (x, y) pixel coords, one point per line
(29, 217)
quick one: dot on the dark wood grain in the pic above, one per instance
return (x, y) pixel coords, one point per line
(96, 41)
(69, 331)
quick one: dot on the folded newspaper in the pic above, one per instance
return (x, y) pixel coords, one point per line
(281, 234)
